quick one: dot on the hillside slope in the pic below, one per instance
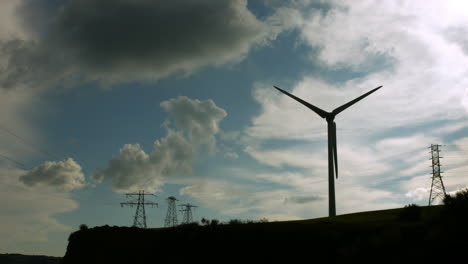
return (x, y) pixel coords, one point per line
(27, 259)
(383, 236)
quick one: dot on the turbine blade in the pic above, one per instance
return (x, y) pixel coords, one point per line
(318, 111)
(343, 107)
(334, 149)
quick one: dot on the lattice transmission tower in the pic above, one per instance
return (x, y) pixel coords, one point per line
(171, 215)
(187, 213)
(139, 220)
(437, 186)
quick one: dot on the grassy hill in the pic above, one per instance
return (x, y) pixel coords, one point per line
(386, 236)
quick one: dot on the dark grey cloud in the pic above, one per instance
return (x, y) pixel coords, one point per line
(121, 40)
(302, 199)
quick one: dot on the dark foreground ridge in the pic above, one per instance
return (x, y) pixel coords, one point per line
(388, 236)
(27, 259)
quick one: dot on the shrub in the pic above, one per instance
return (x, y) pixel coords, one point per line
(214, 222)
(235, 222)
(460, 199)
(410, 212)
(457, 205)
(205, 221)
(83, 227)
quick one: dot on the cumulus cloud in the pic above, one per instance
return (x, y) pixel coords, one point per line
(134, 169)
(199, 119)
(65, 175)
(196, 122)
(117, 41)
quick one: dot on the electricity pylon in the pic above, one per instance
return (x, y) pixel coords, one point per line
(187, 213)
(437, 186)
(139, 220)
(171, 215)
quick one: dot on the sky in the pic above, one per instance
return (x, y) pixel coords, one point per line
(99, 98)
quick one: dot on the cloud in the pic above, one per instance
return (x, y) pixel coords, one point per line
(9, 28)
(420, 62)
(65, 175)
(27, 214)
(302, 199)
(231, 198)
(121, 41)
(231, 155)
(196, 123)
(199, 119)
(420, 194)
(400, 47)
(134, 169)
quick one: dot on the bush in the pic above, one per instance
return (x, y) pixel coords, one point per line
(460, 199)
(83, 227)
(410, 212)
(214, 222)
(457, 205)
(235, 222)
(205, 221)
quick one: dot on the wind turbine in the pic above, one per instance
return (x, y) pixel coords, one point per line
(332, 150)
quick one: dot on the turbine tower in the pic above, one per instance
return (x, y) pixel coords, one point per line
(332, 149)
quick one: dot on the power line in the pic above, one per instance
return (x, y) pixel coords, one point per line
(36, 148)
(14, 161)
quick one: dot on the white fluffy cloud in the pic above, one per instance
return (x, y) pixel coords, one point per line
(199, 119)
(134, 169)
(65, 175)
(197, 123)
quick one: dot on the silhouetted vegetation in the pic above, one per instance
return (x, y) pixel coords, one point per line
(83, 227)
(456, 206)
(411, 212)
(216, 222)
